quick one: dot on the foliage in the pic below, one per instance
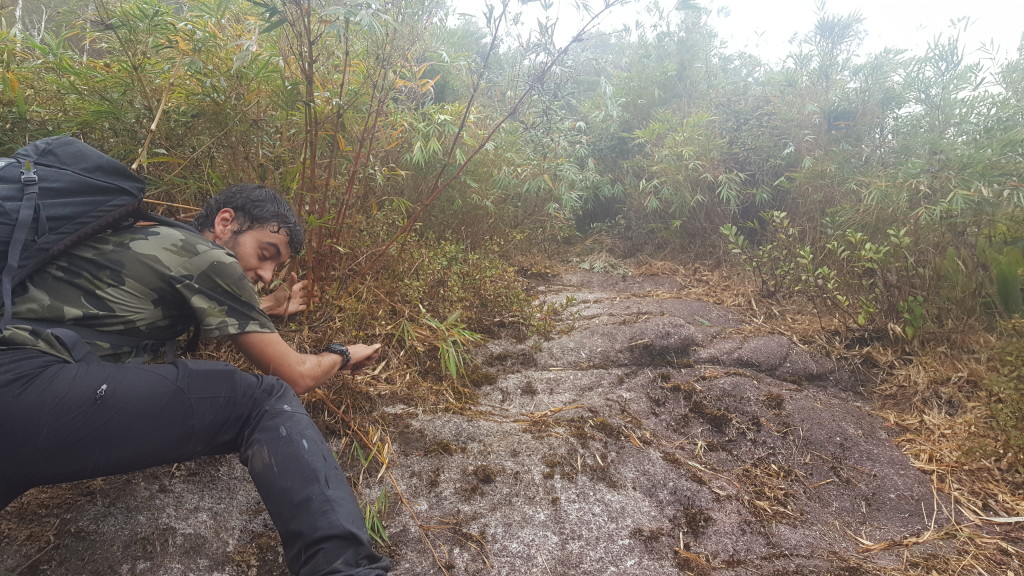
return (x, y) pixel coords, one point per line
(444, 279)
(851, 275)
(772, 262)
(434, 303)
(1006, 391)
(1006, 261)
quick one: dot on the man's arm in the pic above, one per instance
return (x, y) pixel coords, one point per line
(303, 372)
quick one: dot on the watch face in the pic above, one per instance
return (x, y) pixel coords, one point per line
(340, 350)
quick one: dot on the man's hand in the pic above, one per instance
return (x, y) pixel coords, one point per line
(362, 356)
(288, 300)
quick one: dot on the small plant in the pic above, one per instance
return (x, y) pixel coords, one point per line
(544, 324)
(374, 514)
(450, 337)
(379, 445)
(772, 261)
(378, 449)
(453, 340)
(913, 316)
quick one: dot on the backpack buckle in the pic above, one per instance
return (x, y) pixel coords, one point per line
(28, 175)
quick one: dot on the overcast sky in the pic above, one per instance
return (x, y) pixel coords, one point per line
(766, 27)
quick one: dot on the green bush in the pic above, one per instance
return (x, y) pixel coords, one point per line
(870, 283)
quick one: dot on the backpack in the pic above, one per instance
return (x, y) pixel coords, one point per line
(55, 193)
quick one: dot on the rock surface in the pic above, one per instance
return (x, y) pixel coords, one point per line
(658, 436)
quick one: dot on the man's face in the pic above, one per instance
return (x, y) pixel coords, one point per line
(259, 251)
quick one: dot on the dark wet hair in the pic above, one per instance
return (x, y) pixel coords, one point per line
(255, 206)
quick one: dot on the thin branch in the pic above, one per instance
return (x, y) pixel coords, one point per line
(438, 190)
(159, 114)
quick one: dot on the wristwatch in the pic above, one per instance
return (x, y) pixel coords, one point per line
(341, 350)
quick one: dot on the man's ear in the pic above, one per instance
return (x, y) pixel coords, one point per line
(223, 225)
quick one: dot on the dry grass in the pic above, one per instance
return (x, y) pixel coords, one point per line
(769, 497)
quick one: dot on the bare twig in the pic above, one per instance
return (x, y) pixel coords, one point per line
(156, 119)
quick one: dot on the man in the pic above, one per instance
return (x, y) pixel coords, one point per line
(71, 410)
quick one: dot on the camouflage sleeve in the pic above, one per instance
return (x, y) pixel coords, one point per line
(223, 299)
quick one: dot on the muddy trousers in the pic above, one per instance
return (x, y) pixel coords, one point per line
(61, 422)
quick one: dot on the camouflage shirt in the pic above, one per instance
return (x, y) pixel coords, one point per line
(148, 282)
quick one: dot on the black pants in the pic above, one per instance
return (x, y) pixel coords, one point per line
(61, 422)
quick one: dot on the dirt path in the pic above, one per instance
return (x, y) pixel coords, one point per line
(658, 437)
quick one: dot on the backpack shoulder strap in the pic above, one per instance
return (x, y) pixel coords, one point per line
(147, 216)
(30, 184)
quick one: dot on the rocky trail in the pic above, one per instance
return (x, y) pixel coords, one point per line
(658, 436)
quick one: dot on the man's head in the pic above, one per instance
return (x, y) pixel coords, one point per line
(256, 224)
